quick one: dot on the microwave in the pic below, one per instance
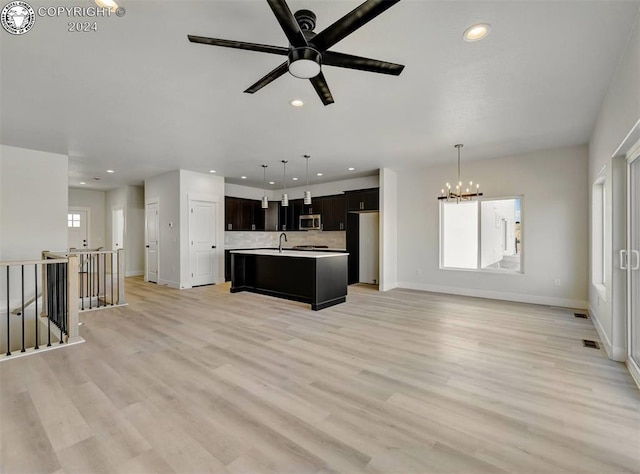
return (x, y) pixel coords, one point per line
(310, 222)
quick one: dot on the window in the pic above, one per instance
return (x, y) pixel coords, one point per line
(73, 220)
(482, 235)
(598, 196)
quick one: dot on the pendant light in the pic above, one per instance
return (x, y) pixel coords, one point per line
(265, 199)
(458, 193)
(285, 196)
(307, 193)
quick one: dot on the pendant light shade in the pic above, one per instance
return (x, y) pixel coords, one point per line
(265, 199)
(285, 196)
(307, 193)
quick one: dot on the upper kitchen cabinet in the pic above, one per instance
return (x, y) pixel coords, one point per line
(333, 211)
(363, 200)
(243, 214)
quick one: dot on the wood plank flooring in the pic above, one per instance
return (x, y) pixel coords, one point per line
(202, 380)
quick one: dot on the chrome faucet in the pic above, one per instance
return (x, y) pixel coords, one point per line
(280, 241)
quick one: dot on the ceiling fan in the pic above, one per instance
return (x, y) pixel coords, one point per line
(308, 50)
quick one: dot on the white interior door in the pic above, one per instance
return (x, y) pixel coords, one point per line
(78, 226)
(369, 253)
(152, 233)
(117, 236)
(202, 242)
(633, 262)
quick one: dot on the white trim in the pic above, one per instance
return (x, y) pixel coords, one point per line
(634, 370)
(170, 284)
(388, 286)
(147, 202)
(627, 143)
(601, 333)
(32, 351)
(497, 295)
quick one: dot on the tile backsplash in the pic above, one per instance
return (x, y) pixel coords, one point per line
(239, 240)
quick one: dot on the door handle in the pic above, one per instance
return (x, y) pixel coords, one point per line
(213, 246)
(623, 259)
(147, 246)
(637, 265)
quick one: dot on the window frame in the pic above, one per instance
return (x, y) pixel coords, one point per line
(598, 278)
(479, 268)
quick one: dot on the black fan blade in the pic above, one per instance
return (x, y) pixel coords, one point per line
(332, 58)
(350, 23)
(319, 83)
(288, 23)
(262, 48)
(272, 76)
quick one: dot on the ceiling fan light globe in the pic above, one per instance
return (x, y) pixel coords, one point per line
(304, 63)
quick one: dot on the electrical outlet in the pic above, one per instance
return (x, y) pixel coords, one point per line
(556, 282)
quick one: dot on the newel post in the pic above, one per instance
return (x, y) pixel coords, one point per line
(73, 298)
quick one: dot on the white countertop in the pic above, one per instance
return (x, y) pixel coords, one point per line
(291, 253)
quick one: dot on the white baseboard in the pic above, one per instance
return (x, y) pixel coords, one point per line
(616, 353)
(634, 370)
(170, 284)
(388, 286)
(497, 295)
(134, 273)
(601, 332)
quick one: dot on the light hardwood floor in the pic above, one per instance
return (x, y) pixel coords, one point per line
(203, 380)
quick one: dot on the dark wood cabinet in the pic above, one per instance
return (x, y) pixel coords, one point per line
(243, 214)
(289, 218)
(363, 200)
(332, 209)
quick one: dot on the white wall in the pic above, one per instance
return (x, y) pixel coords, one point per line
(555, 213)
(204, 187)
(165, 189)
(95, 201)
(388, 229)
(33, 202)
(33, 211)
(619, 112)
(134, 231)
(246, 192)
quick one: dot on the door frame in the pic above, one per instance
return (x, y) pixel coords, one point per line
(88, 211)
(147, 202)
(124, 220)
(218, 204)
(633, 156)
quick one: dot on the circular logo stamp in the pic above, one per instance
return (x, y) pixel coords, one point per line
(17, 17)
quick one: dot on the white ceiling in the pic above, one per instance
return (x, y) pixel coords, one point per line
(137, 97)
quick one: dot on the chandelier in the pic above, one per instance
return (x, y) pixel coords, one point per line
(459, 192)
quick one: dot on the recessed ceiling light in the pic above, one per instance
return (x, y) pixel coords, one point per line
(212, 171)
(476, 32)
(97, 178)
(110, 171)
(243, 177)
(350, 169)
(318, 174)
(297, 103)
(295, 179)
(82, 182)
(272, 182)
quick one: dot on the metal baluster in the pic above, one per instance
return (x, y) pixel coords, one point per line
(90, 275)
(65, 294)
(111, 259)
(98, 277)
(8, 315)
(35, 269)
(118, 274)
(82, 279)
(104, 278)
(22, 280)
(48, 270)
(60, 302)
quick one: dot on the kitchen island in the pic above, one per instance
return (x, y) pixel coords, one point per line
(317, 278)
